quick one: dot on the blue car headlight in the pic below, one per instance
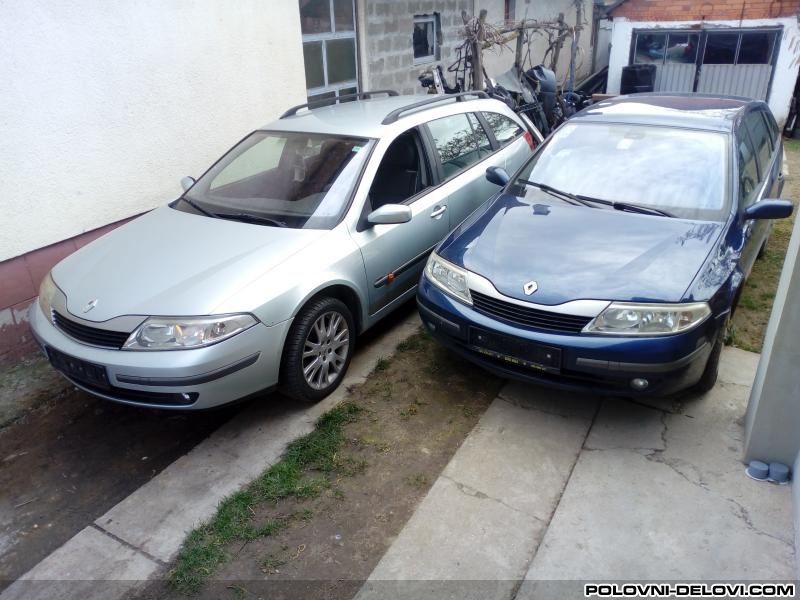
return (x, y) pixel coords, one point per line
(629, 318)
(447, 277)
(182, 333)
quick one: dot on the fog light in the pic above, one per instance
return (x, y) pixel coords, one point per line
(639, 384)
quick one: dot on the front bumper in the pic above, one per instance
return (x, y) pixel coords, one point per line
(193, 379)
(593, 363)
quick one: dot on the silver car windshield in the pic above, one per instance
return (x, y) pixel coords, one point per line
(681, 171)
(286, 179)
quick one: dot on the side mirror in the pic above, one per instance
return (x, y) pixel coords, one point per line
(498, 176)
(187, 182)
(390, 214)
(769, 209)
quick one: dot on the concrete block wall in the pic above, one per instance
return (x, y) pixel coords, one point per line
(387, 56)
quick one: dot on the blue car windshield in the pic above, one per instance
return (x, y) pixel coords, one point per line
(680, 171)
(286, 179)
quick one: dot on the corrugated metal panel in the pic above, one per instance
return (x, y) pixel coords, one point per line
(750, 81)
(675, 77)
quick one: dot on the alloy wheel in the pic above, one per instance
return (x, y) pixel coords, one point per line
(325, 350)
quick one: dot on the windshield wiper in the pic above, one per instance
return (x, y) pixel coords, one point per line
(588, 200)
(567, 196)
(198, 208)
(250, 218)
(627, 206)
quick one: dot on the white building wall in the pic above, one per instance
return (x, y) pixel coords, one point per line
(786, 66)
(104, 106)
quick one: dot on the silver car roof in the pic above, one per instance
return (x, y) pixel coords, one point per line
(363, 118)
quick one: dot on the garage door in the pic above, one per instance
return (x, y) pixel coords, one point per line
(737, 62)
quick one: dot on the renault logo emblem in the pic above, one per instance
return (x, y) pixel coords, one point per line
(90, 305)
(530, 287)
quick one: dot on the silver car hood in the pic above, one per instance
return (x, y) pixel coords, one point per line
(172, 263)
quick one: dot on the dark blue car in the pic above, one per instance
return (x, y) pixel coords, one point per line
(613, 260)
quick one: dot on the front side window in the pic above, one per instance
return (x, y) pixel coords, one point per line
(298, 180)
(505, 129)
(458, 142)
(402, 173)
(748, 170)
(760, 136)
(683, 172)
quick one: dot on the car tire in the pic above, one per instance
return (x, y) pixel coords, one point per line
(317, 351)
(709, 377)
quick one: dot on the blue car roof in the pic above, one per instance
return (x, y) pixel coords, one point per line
(695, 111)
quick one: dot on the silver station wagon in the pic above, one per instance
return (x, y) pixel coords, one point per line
(264, 271)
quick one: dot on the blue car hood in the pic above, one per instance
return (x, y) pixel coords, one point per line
(576, 252)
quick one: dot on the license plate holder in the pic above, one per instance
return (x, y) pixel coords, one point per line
(78, 369)
(516, 351)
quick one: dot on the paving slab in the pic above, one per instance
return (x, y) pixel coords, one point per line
(623, 424)
(92, 565)
(626, 517)
(670, 501)
(475, 532)
(520, 455)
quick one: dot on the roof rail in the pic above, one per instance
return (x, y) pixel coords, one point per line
(459, 97)
(328, 101)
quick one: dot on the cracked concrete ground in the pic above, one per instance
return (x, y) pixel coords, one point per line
(554, 486)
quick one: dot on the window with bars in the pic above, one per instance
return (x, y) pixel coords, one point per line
(329, 48)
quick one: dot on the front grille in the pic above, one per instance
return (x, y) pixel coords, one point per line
(90, 335)
(528, 317)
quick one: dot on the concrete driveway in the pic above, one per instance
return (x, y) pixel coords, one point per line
(553, 489)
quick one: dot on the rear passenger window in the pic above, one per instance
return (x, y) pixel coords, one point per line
(459, 140)
(505, 129)
(762, 141)
(748, 173)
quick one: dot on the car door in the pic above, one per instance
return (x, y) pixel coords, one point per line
(752, 184)
(462, 152)
(394, 255)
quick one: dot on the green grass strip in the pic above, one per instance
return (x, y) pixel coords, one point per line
(205, 548)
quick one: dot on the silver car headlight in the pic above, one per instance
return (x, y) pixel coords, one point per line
(629, 318)
(47, 290)
(448, 277)
(182, 333)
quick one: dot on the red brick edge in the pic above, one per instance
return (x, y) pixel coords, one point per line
(19, 285)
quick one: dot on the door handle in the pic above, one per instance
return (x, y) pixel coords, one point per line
(438, 212)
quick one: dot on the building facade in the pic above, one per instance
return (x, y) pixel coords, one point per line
(105, 106)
